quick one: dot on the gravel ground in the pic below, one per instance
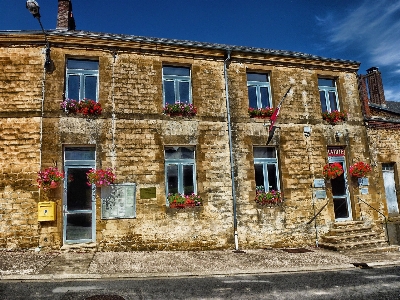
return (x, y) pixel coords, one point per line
(210, 261)
(24, 262)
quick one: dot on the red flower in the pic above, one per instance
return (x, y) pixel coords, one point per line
(360, 169)
(332, 170)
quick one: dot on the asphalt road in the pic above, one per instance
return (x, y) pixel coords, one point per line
(374, 283)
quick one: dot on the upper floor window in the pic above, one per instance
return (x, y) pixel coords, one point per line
(82, 79)
(328, 94)
(259, 90)
(266, 169)
(180, 170)
(176, 85)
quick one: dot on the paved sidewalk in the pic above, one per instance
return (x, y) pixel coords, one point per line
(30, 265)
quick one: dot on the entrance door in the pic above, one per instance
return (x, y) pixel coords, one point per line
(79, 198)
(340, 192)
(390, 188)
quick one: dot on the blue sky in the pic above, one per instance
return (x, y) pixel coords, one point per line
(367, 31)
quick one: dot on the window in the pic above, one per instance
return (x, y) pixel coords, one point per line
(82, 79)
(259, 90)
(328, 94)
(176, 85)
(266, 168)
(180, 170)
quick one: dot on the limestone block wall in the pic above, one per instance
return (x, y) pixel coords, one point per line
(21, 74)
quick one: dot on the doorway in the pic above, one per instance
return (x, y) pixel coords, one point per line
(79, 199)
(340, 192)
(390, 188)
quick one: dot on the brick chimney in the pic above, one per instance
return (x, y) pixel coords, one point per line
(375, 87)
(65, 19)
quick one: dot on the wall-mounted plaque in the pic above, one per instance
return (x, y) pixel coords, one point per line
(364, 191)
(319, 183)
(148, 193)
(363, 181)
(320, 194)
(118, 201)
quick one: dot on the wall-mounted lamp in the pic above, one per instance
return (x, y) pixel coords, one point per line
(33, 8)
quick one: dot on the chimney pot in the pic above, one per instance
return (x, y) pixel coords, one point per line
(65, 18)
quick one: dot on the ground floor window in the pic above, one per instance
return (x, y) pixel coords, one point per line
(266, 169)
(180, 170)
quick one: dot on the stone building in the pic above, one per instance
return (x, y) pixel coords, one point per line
(220, 153)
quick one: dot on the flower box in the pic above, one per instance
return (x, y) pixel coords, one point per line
(183, 109)
(184, 201)
(334, 117)
(269, 198)
(262, 113)
(86, 107)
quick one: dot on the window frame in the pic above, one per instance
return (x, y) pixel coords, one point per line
(180, 162)
(176, 79)
(327, 90)
(265, 162)
(83, 74)
(258, 85)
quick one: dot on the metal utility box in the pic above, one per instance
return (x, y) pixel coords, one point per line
(46, 211)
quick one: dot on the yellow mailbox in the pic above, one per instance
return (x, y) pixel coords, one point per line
(46, 211)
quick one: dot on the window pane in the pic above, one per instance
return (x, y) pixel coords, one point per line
(272, 180)
(188, 184)
(259, 173)
(91, 87)
(172, 179)
(264, 152)
(332, 101)
(169, 92)
(257, 77)
(338, 185)
(78, 64)
(179, 152)
(180, 71)
(326, 82)
(252, 91)
(73, 87)
(80, 153)
(323, 101)
(264, 97)
(184, 91)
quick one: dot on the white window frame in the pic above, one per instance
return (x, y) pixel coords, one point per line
(258, 85)
(181, 162)
(265, 162)
(327, 90)
(176, 79)
(83, 74)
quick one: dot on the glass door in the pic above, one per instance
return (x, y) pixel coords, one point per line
(340, 192)
(79, 199)
(390, 188)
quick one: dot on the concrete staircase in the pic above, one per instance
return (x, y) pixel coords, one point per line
(354, 235)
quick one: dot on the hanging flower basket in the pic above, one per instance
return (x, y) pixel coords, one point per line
(183, 109)
(332, 170)
(86, 107)
(100, 177)
(335, 116)
(270, 198)
(262, 113)
(49, 178)
(360, 169)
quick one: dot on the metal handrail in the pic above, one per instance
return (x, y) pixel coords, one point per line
(316, 215)
(386, 228)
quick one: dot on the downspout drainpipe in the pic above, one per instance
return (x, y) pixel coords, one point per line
(228, 57)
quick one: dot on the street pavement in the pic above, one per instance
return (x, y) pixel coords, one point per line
(75, 264)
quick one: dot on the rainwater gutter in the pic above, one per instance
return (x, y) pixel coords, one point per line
(226, 61)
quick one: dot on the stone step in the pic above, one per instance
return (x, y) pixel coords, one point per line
(393, 248)
(348, 224)
(354, 245)
(347, 231)
(351, 237)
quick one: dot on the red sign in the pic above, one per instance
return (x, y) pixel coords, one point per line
(335, 152)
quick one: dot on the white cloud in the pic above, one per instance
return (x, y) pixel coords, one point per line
(373, 29)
